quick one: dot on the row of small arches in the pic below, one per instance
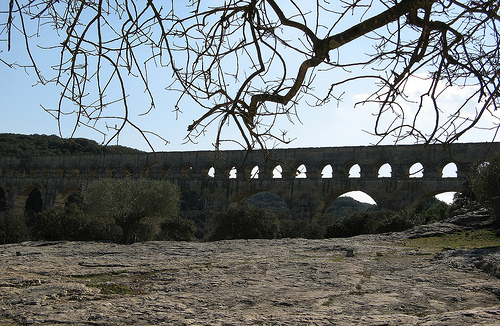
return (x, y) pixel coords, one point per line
(385, 171)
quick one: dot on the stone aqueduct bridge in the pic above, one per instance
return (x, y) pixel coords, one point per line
(54, 178)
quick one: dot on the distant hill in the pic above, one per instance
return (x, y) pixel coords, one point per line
(27, 145)
(343, 206)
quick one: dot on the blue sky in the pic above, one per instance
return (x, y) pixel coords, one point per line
(334, 124)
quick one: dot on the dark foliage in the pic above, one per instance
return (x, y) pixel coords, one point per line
(27, 145)
(70, 223)
(13, 228)
(380, 221)
(137, 206)
(343, 206)
(177, 229)
(267, 200)
(244, 222)
(192, 208)
(486, 184)
(300, 228)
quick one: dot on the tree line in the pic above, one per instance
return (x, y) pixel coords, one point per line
(27, 145)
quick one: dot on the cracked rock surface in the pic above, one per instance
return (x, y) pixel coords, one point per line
(247, 282)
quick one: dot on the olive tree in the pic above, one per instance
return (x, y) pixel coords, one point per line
(127, 202)
(249, 62)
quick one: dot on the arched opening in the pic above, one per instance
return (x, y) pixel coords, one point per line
(186, 170)
(349, 202)
(9, 172)
(46, 171)
(385, 171)
(416, 171)
(355, 171)
(60, 172)
(164, 171)
(110, 171)
(127, 171)
(92, 171)
(267, 200)
(446, 197)
(21, 171)
(449, 171)
(327, 172)
(233, 173)
(75, 172)
(34, 171)
(277, 172)
(3, 200)
(301, 172)
(211, 172)
(75, 197)
(254, 174)
(63, 196)
(145, 171)
(34, 203)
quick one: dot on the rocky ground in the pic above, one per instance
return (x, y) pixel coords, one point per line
(254, 282)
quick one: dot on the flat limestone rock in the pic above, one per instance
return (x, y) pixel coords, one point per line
(247, 282)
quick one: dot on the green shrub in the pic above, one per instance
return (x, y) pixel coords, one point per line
(395, 222)
(465, 198)
(57, 223)
(300, 228)
(377, 221)
(70, 223)
(177, 229)
(430, 210)
(486, 185)
(13, 228)
(244, 222)
(353, 224)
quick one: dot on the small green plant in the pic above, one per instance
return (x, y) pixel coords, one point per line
(112, 288)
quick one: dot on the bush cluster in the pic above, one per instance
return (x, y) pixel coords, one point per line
(247, 221)
(12, 228)
(486, 185)
(244, 222)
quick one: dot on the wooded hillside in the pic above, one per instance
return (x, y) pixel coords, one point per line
(26, 145)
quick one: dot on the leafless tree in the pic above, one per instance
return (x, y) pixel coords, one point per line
(249, 62)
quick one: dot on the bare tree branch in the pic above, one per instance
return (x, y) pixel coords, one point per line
(249, 62)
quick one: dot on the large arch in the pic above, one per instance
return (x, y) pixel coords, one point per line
(329, 199)
(348, 203)
(268, 200)
(63, 195)
(244, 196)
(33, 203)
